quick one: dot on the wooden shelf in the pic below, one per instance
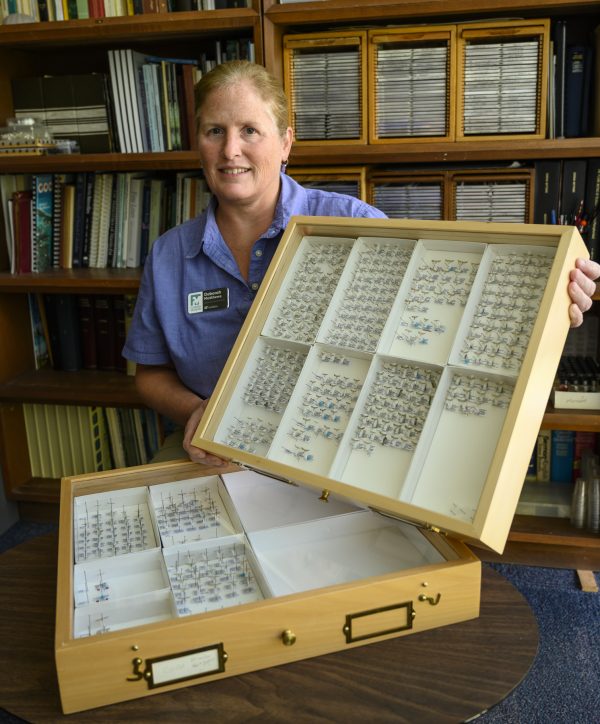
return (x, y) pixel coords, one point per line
(136, 29)
(555, 531)
(73, 281)
(584, 420)
(38, 490)
(422, 152)
(86, 387)
(77, 162)
(355, 11)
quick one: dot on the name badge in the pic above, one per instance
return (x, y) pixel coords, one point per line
(208, 301)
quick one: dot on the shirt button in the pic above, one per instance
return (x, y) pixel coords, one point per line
(258, 252)
(254, 286)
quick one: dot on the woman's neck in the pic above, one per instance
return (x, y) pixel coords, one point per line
(241, 226)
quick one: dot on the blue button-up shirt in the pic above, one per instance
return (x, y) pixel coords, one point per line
(194, 258)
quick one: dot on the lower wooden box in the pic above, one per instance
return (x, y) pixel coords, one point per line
(324, 576)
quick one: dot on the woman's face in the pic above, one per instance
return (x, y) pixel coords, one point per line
(240, 146)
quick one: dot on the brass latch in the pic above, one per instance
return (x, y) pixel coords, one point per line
(433, 601)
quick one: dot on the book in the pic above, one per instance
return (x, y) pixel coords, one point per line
(559, 32)
(106, 200)
(59, 182)
(584, 445)
(67, 226)
(120, 102)
(63, 331)
(96, 210)
(134, 221)
(577, 80)
(120, 312)
(59, 106)
(41, 357)
(106, 333)
(543, 448)
(90, 190)
(572, 192)
(28, 98)
(128, 309)
(546, 192)
(91, 112)
(81, 182)
(42, 222)
(116, 437)
(22, 205)
(562, 455)
(131, 62)
(591, 232)
(87, 331)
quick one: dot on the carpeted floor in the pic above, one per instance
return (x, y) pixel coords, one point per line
(563, 685)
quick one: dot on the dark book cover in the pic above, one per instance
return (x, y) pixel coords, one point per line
(22, 203)
(546, 196)
(106, 333)
(87, 229)
(188, 73)
(145, 232)
(91, 111)
(62, 316)
(43, 10)
(578, 60)
(560, 50)
(28, 98)
(68, 327)
(591, 232)
(79, 219)
(87, 330)
(72, 9)
(120, 362)
(60, 106)
(572, 191)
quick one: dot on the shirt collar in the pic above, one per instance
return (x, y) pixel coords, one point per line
(292, 201)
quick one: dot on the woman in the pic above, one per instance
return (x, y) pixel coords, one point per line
(202, 276)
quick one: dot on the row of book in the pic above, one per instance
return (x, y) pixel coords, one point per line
(568, 192)
(72, 440)
(558, 454)
(145, 103)
(96, 220)
(72, 332)
(55, 10)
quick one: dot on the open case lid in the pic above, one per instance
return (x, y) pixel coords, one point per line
(404, 365)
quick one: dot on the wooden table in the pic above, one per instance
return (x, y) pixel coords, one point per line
(446, 675)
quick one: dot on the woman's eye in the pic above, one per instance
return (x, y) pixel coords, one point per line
(215, 131)
(249, 131)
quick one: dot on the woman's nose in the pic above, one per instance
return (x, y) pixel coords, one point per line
(231, 145)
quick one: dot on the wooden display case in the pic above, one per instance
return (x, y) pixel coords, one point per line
(411, 84)
(329, 177)
(502, 73)
(325, 80)
(382, 454)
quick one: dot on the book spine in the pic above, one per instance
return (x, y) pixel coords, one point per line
(543, 448)
(105, 331)
(87, 331)
(562, 451)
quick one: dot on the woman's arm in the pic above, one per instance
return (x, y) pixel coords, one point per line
(161, 389)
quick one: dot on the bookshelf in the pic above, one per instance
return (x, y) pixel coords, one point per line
(50, 47)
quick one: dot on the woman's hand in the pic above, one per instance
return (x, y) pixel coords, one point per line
(196, 454)
(581, 288)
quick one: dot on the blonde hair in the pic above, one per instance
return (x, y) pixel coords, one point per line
(237, 71)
